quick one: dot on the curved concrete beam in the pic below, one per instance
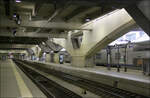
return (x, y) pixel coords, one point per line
(105, 29)
(111, 25)
(53, 46)
(111, 37)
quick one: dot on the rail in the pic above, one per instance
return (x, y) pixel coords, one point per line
(47, 86)
(100, 89)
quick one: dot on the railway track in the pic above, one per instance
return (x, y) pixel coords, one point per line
(105, 91)
(47, 86)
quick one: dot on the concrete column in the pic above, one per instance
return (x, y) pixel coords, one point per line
(82, 61)
(52, 57)
(48, 58)
(56, 58)
(40, 54)
(36, 50)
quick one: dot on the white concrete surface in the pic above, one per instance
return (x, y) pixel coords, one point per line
(14, 83)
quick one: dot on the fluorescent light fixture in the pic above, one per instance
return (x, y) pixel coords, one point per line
(18, 1)
(87, 19)
(14, 16)
(18, 22)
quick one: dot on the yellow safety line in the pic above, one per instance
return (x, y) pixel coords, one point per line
(25, 92)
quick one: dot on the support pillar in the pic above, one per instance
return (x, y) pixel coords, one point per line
(56, 58)
(109, 60)
(40, 55)
(52, 57)
(48, 58)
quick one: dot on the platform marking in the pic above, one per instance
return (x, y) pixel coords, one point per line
(25, 92)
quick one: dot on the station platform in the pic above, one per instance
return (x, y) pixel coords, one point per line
(133, 80)
(15, 84)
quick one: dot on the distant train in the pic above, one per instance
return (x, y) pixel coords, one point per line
(129, 57)
(136, 54)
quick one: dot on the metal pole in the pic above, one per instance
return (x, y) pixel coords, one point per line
(125, 61)
(108, 57)
(118, 66)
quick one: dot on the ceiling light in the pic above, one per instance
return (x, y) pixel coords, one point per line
(18, 22)
(14, 32)
(18, 1)
(14, 15)
(87, 19)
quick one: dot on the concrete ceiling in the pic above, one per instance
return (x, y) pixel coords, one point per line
(41, 19)
(15, 46)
